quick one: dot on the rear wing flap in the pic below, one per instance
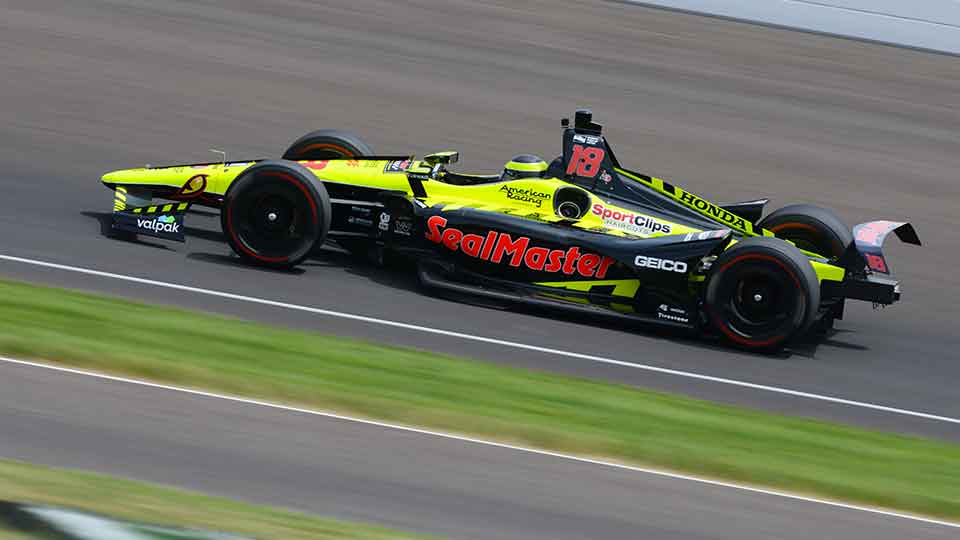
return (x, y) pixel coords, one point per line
(867, 272)
(865, 253)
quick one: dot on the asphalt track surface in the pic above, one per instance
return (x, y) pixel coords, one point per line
(338, 467)
(726, 109)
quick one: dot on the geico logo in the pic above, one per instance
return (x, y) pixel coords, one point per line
(713, 210)
(156, 226)
(660, 264)
(628, 220)
(496, 247)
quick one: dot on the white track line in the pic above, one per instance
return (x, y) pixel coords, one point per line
(472, 440)
(494, 341)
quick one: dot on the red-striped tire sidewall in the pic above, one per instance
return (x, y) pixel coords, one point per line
(327, 144)
(772, 252)
(292, 174)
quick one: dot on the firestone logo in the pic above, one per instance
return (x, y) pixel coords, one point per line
(496, 247)
(628, 221)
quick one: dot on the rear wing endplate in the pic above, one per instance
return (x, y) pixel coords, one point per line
(866, 249)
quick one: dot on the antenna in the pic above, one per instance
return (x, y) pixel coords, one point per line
(222, 154)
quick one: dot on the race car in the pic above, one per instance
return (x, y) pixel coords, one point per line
(582, 233)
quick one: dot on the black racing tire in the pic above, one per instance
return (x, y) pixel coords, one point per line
(274, 213)
(811, 228)
(327, 144)
(761, 293)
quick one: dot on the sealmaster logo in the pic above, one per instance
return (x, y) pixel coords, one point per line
(496, 247)
(628, 221)
(166, 224)
(525, 195)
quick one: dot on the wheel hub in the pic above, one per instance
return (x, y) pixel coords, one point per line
(273, 214)
(271, 218)
(756, 300)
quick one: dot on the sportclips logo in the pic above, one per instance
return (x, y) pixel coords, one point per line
(713, 210)
(628, 221)
(496, 247)
(167, 224)
(525, 195)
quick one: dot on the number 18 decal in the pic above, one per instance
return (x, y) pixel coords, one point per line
(876, 263)
(585, 160)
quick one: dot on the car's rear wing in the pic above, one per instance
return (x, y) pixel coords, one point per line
(866, 249)
(864, 259)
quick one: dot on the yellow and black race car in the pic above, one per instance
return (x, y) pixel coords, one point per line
(582, 233)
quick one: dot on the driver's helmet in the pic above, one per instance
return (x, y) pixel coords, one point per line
(524, 166)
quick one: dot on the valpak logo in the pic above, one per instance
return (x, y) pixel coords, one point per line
(630, 222)
(167, 224)
(497, 247)
(525, 195)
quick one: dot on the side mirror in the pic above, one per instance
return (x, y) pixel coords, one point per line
(442, 158)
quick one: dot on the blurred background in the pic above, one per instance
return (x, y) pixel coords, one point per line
(732, 110)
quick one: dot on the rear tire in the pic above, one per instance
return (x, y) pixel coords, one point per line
(327, 144)
(811, 228)
(761, 293)
(274, 213)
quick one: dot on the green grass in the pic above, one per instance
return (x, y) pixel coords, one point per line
(10, 534)
(135, 501)
(7, 533)
(421, 388)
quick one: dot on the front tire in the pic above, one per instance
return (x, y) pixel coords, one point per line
(761, 293)
(274, 213)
